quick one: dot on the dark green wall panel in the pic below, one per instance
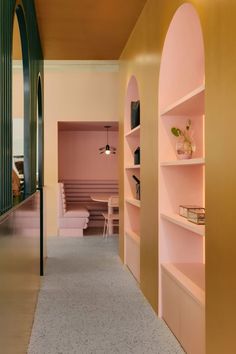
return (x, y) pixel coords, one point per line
(33, 67)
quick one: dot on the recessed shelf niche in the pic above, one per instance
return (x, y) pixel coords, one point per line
(132, 204)
(181, 243)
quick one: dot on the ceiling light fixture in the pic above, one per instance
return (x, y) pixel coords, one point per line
(107, 149)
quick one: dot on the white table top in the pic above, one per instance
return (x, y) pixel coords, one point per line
(101, 197)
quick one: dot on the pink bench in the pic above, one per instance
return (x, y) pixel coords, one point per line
(72, 220)
(78, 194)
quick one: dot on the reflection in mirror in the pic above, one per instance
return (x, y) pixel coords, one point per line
(17, 116)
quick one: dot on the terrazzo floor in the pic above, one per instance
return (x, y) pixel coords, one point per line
(89, 303)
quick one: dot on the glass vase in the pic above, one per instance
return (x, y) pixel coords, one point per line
(184, 149)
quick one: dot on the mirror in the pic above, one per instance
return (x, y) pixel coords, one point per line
(17, 115)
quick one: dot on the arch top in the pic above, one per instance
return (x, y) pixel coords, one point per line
(132, 94)
(182, 64)
(132, 91)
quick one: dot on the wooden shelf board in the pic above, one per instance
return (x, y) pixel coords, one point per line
(190, 276)
(190, 104)
(133, 235)
(189, 162)
(132, 167)
(133, 201)
(183, 222)
(133, 132)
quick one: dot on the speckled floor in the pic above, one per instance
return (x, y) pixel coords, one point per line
(89, 303)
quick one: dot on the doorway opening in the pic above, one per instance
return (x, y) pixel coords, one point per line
(87, 173)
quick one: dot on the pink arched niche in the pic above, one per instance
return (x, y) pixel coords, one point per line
(181, 244)
(182, 63)
(131, 208)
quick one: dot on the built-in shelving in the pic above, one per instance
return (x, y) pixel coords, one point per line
(190, 104)
(134, 202)
(183, 222)
(131, 167)
(132, 205)
(133, 132)
(181, 182)
(190, 162)
(133, 235)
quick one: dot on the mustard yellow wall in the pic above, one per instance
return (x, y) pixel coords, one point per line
(141, 57)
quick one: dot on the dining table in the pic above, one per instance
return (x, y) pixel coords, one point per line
(104, 198)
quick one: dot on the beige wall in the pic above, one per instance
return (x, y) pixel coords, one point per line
(17, 93)
(141, 57)
(74, 92)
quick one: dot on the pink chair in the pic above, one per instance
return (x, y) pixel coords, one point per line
(111, 218)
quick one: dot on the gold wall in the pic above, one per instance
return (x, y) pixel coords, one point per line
(141, 57)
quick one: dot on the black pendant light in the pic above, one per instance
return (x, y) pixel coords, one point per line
(107, 149)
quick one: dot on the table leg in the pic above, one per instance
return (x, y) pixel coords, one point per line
(110, 224)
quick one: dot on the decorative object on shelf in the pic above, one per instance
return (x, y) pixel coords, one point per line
(137, 156)
(185, 145)
(197, 216)
(137, 187)
(107, 148)
(183, 209)
(135, 114)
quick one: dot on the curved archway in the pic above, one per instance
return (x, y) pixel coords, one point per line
(181, 177)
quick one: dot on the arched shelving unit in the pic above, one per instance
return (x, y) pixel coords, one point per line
(132, 204)
(181, 182)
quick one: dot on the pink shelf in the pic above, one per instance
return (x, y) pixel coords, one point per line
(134, 202)
(132, 167)
(190, 162)
(183, 222)
(190, 276)
(134, 132)
(190, 104)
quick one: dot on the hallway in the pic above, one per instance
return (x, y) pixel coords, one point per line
(90, 303)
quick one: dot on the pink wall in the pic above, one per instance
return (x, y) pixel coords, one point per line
(79, 158)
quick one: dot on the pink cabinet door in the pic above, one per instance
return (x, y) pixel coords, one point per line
(171, 303)
(183, 315)
(192, 331)
(133, 256)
